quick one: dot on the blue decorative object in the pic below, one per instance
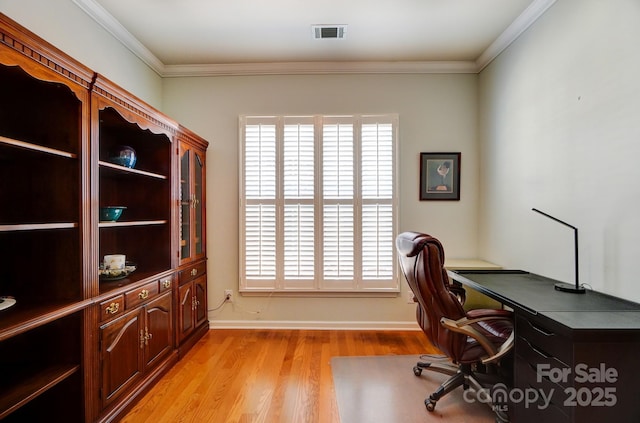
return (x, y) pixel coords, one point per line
(111, 213)
(124, 156)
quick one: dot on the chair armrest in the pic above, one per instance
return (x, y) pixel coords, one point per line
(489, 312)
(463, 326)
(458, 290)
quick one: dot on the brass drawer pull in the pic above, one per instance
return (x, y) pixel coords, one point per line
(194, 271)
(144, 294)
(166, 283)
(113, 308)
(194, 303)
(144, 337)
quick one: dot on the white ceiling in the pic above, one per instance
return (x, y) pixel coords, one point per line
(208, 37)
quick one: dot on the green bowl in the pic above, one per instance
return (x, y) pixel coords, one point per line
(111, 213)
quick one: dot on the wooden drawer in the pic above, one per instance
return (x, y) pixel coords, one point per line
(192, 272)
(526, 377)
(111, 308)
(141, 295)
(165, 283)
(535, 357)
(533, 414)
(544, 338)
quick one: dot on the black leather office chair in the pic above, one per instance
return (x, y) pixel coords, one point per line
(477, 342)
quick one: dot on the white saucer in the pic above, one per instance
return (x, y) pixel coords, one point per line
(6, 302)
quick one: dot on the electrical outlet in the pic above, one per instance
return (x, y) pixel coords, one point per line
(228, 295)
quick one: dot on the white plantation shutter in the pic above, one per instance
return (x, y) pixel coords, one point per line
(260, 241)
(377, 201)
(299, 234)
(338, 248)
(338, 199)
(318, 204)
(299, 192)
(377, 161)
(260, 162)
(337, 161)
(260, 197)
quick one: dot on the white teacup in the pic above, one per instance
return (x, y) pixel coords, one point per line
(114, 261)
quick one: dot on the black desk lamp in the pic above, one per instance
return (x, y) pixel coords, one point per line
(561, 286)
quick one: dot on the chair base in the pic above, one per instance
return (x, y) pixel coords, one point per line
(464, 375)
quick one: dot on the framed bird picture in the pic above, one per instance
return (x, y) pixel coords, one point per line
(439, 176)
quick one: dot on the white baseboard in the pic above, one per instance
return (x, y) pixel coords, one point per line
(285, 324)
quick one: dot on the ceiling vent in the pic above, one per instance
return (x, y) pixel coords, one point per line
(324, 32)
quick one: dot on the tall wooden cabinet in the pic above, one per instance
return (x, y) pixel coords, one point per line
(74, 343)
(44, 159)
(192, 320)
(192, 196)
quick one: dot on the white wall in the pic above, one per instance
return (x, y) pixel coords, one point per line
(437, 113)
(560, 131)
(66, 26)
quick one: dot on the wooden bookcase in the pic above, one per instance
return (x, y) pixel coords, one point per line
(136, 339)
(144, 232)
(192, 320)
(74, 345)
(192, 218)
(43, 168)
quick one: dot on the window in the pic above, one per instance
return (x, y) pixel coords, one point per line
(318, 204)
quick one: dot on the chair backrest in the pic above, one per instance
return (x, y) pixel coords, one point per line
(421, 259)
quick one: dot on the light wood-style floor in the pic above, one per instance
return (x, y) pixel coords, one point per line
(265, 376)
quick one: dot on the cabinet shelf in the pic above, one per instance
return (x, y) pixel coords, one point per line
(132, 223)
(22, 318)
(31, 387)
(126, 170)
(49, 196)
(37, 226)
(36, 148)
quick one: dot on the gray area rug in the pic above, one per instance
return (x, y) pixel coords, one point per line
(383, 389)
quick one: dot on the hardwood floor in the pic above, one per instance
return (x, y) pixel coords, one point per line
(266, 376)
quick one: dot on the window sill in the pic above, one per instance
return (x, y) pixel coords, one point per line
(387, 293)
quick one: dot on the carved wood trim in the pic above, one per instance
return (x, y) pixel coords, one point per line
(136, 110)
(133, 110)
(30, 46)
(190, 137)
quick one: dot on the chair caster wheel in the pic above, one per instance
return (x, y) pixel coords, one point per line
(502, 417)
(430, 405)
(417, 371)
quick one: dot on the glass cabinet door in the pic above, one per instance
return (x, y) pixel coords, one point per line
(191, 204)
(198, 238)
(185, 204)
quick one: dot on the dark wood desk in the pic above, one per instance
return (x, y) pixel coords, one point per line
(578, 353)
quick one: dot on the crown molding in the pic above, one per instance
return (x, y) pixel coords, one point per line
(120, 33)
(316, 68)
(115, 28)
(513, 31)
